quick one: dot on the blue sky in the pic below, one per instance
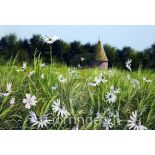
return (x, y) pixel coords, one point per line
(138, 37)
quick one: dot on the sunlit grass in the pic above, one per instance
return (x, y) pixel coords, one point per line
(80, 99)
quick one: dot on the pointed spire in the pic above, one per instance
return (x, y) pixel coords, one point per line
(100, 53)
(99, 38)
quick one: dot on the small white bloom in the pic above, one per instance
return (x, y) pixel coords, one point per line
(79, 66)
(115, 90)
(4, 94)
(128, 64)
(111, 97)
(102, 79)
(110, 113)
(98, 80)
(98, 114)
(71, 72)
(105, 73)
(133, 122)
(29, 101)
(110, 73)
(41, 123)
(60, 110)
(33, 118)
(82, 59)
(147, 80)
(8, 90)
(135, 83)
(50, 39)
(107, 123)
(42, 76)
(9, 87)
(12, 101)
(77, 75)
(61, 79)
(31, 74)
(54, 87)
(117, 117)
(95, 82)
(23, 68)
(43, 65)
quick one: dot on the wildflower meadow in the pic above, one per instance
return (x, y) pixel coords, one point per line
(55, 96)
(58, 97)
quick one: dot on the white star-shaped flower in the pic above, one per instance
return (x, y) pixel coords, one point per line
(61, 111)
(111, 97)
(29, 101)
(50, 39)
(133, 122)
(128, 64)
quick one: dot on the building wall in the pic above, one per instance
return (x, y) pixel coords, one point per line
(100, 64)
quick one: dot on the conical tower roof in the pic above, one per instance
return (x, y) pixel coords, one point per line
(100, 53)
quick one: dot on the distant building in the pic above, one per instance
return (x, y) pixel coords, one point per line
(96, 59)
(101, 59)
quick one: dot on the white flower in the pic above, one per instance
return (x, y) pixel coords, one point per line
(76, 127)
(29, 101)
(133, 123)
(110, 73)
(79, 66)
(8, 90)
(12, 101)
(105, 73)
(98, 80)
(82, 59)
(110, 113)
(61, 79)
(50, 39)
(41, 123)
(147, 80)
(102, 79)
(77, 75)
(42, 76)
(115, 90)
(54, 87)
(107, 123)
(95, 82)
(60, 110)
(33, 118)
(43, 65)
(128, 64)
(135, 83)
(71, 72)
(31, 74)
(23, 68)
(111, 97)
(9, 87)
(98, 114)
(5, 94)
(117, 117)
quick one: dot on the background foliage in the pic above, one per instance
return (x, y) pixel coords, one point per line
(11, 45)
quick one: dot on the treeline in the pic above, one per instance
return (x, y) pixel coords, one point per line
(11, 46)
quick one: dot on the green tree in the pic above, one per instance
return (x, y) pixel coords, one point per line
(9, 46)
(111, 54)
